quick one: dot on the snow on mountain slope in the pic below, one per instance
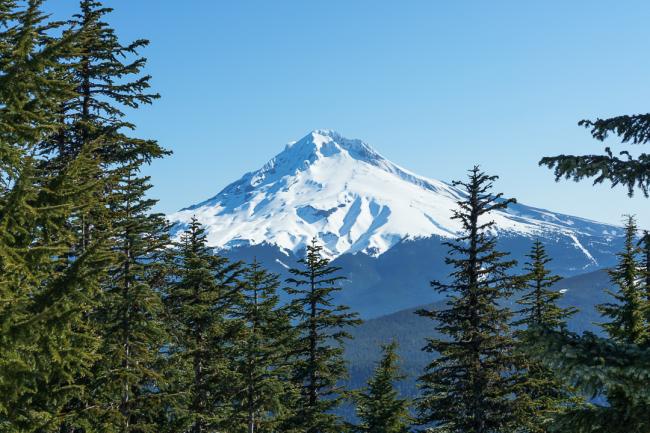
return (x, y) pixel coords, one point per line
(354, 200)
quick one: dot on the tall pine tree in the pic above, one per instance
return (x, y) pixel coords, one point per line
(201, 299)
(469, 387)
(379, 407)
(540, 394)
(599, 366)
(48, 345)
(627, 314)
(264, 393)
(130, 317)
(318, 352)
(108, 78)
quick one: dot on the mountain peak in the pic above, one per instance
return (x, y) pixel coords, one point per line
(354, 200)
(326, 143)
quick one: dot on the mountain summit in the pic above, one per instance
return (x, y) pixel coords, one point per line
(355, 200)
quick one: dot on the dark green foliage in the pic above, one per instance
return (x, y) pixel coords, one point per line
(539, 301)
(318, 354)
(625, 170)
(598, 366)
(201, 297)
(614, 368)
(379, 408)
(628, 312)
(130, 317)
(264, 394)
(469, 387)
(627, 325)
(107, 78)
(48, 345)
(540, 394)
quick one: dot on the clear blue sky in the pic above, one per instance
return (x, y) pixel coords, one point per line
(434, 86)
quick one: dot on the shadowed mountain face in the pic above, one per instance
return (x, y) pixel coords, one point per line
(358, 202)
(399, 279)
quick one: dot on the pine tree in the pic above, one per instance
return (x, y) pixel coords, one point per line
(540, 394)
(599, 367)
(633, 173)
(627, 314)
(644, 245)
(107, 76)
(540, 301)
(201, 300)
(318, 353)
(264, 394)
(379, 408)
(469, 387)
(130, 317)
(48, 345)
(617, 367)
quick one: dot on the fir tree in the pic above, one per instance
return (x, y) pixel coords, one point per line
(597, 366)
(633, 173)
(107, 76)
(201, 298)
(130, 317)
(540, 394)
(379, 408)
(264, 394)
(469, 387)
(539, 303)
(318, 353)
(627, 314)
(48, 345)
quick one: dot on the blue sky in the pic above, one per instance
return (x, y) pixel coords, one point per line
(434, 86)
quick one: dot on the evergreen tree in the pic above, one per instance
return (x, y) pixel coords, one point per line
(539, 303)
(469, 387)
(379, 408)
(48, 345)
(264, 394)
(130, 317)
(201, 298)
(107, 77)
(633, 173)
(64, 168)
(318, 351)
(617, 367)
(599, 367)
(540, 394)
(627, 314)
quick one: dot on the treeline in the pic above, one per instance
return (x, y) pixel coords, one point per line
(108, 325)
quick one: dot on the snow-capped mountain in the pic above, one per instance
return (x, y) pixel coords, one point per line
(355, 200)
